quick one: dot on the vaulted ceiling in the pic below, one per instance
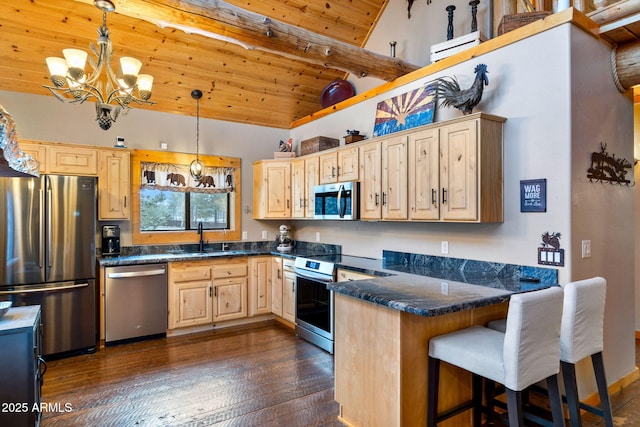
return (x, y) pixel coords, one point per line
(239, 84)
(226, 49)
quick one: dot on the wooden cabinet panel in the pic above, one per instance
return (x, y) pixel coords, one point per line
(371, 183)
(272, 189)
(289, 297)
(260, 286)
(424, 175)
(298, 189)
(232, 269)
(72, 160)
(230, 299)
(312, 178)
(193, 304)
(38, 152)
(328, 168)
(277, 278)
(348, 275)
(394, 178)
(114, 185)
(339, 166)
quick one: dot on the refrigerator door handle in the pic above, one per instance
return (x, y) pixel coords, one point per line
(62, 286)
(49, 225)
(123, 275)
(41, 230)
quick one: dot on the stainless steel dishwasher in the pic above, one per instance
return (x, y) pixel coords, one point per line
(135, 302)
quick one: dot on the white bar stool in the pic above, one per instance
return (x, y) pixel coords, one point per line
(528, 352)
(581, 335)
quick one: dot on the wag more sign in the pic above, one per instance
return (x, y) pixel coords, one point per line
(533, 195)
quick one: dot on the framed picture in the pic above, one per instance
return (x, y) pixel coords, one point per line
(533, 195)
(405, 111)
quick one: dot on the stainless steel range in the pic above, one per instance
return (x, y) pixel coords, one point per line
(314, 302)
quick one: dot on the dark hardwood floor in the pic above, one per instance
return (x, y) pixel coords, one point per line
(258, 375)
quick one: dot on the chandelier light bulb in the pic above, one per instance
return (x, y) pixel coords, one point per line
(57, 70)
(75, 58)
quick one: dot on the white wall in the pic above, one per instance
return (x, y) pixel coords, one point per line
(555, 90)
(45, 118)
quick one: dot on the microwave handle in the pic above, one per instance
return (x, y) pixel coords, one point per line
(342, 209)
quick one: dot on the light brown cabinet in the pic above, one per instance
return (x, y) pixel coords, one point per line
(304, 177)
(277, 278)
(66, 160)
(289, 296)
(114, 184)
(383, 179)
(204, 292)
(259, 285)
(272, 189)
(349, 275)
(456, 172)
(339, 166)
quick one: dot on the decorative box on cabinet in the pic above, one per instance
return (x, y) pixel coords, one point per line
(22, 367)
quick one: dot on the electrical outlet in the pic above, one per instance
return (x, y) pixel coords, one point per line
(317, 236)
(245, 236)
(444, 247)
(586, 249)
(265, 236)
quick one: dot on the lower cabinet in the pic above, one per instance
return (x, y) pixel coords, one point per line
(22, 367)
(289, 292)
(277, 277)
(260, 284)
(204, 292)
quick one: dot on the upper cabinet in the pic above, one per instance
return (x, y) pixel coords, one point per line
(114, 184)
(339, 166)
(455, 171)
(272, 189)
(304, 176)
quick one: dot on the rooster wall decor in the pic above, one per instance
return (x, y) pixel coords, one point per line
(450, 95)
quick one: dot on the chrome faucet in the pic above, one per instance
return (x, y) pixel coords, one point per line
(201, 244)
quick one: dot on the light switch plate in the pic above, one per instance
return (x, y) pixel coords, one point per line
(444, 248)
(245, 235)
(586, 249)
(264, 235)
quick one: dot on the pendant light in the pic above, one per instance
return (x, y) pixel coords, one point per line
(197, 167)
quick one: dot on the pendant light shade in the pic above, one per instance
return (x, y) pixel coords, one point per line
(197, 167)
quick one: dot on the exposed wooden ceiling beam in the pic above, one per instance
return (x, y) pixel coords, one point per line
(222, 21)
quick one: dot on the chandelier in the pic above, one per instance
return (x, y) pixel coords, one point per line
(113, 92)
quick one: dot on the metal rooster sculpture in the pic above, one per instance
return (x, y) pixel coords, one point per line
(449, 92)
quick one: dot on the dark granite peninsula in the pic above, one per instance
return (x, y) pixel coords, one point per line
(383, 326)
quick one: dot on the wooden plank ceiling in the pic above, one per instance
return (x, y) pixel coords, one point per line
(239, 85)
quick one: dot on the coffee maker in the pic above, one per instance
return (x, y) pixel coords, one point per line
(110, 240)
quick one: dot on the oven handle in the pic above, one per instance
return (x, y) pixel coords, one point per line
(316, 277)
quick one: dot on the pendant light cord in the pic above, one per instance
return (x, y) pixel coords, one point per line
(198, 129)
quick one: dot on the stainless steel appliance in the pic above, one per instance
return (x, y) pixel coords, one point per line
(135, 302)
(337, 201)
(110, 240)
(47, 255)
(314, 302)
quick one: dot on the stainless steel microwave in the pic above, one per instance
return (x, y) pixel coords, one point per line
(337, 201)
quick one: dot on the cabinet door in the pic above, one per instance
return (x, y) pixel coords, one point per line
(424, 175)
(348, 164)
(297, 188)
(394, 178)
(192, 304)
(38, 152)
(276, 286)
(459, 172)
(312, 178)
(72, 160)
(114, 184)
(272, 190)
(370, 181)
(329, 168)
(348, 275)
(230, 299)
(260, 286)
(289, 297)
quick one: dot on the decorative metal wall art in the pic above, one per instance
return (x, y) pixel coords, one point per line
(607, 167)
(550, 252)
(448, 89)
(405, 111)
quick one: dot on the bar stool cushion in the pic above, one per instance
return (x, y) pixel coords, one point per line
(526, 353)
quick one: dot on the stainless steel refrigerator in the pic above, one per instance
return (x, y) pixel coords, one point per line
(47, 256)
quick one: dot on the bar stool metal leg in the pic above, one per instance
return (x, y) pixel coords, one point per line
(432, 391)
(603, 390)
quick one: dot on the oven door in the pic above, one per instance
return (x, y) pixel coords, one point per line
(314, 310)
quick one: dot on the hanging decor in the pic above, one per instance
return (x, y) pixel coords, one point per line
(174, 177)
(197, 167)
(550, 252)
(112, 92)
(607, 167)
(405, 111)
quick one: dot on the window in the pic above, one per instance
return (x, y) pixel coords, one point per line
(168, 204)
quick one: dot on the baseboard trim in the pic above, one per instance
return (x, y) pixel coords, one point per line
(594, 399)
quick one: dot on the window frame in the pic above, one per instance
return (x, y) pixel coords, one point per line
(184, 236)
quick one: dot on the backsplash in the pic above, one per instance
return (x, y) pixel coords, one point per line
(421, 264)
(260, 246)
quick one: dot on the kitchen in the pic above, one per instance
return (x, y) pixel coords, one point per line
(41, 118)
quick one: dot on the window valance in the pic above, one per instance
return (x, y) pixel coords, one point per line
(174, 177)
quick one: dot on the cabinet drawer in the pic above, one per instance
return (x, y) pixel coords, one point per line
(348, 275)
(189, 274)
(229, 270)
(76, 160)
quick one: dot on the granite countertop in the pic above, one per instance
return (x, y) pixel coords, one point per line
(427, 292)
(418, 284)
